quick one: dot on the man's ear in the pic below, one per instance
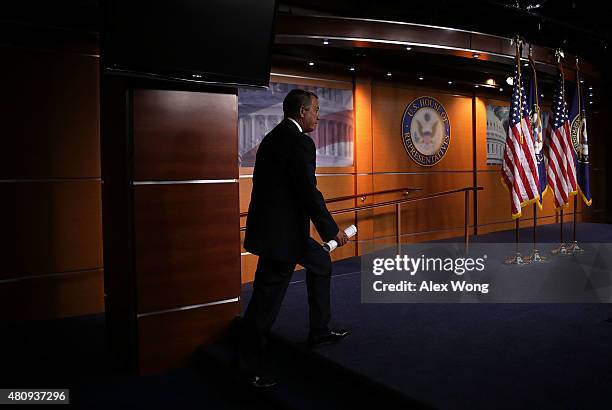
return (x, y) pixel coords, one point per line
(302, 110)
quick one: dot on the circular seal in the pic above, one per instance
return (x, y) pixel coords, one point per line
(575, 128)
(425, 131)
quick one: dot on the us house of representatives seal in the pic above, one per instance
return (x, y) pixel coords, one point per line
(425, 131)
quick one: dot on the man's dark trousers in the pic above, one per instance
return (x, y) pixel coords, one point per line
(269, 287)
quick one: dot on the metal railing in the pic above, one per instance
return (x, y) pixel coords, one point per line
(362, 196)
(398, 203)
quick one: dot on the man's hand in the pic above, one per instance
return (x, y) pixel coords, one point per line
(341, 238)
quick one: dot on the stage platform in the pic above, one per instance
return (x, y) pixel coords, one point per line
(467, 356)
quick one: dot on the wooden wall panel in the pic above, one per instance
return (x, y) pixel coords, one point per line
(248, 265)
(422, 216)
(168, 340)
(50, 227)
(52, 296)
(184, 135)
(388, 105)
(494, 202)
(186, 238)
(50, 115)
(363, 159)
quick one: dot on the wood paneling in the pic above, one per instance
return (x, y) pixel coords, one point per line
(432, 214)
(187, 247)
(50, 227)
(305, 77)
(168, 340)
(185, 135)
(50, 297)
(50, 115)
(388, 105)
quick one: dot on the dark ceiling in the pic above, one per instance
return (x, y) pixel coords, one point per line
(580, 27)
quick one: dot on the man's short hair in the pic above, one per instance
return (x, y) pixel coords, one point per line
(295, 100)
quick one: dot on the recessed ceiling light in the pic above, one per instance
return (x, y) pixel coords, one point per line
(311, 63)
(590, 102)
(501, 89)
(352, 68)
(389, 74)
(542, 95)
(510, 80)
(476, 86)
(590, 88)
(475, 55)
(590, 94)
(325, 42)
(408, 48)
(581, 81)
(526, 65)
(421, 78)
(450, 83)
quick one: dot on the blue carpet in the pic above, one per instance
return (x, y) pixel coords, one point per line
(469, 356)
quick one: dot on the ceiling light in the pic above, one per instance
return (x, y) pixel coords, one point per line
(581, 81)
(476, 86)
(389, 74)
(541, 95)
(325, 42)
(311, 63)
(510, 81)
(590, 94)
(501, 89)
(450, 83)
(490, 81)
(408, 48)
(352, 68)
(590, 88)
(475, 55)
(421, 78)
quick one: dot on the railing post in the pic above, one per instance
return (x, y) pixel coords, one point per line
(398, 226)
(467, 211)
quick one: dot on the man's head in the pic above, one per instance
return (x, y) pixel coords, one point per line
(302, 106)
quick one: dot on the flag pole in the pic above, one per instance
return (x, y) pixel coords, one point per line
(517, 259)
(535, 257)
(561, 250)
(574, 248)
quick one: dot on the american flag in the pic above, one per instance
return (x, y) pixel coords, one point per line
(519, 169)
(561, 170)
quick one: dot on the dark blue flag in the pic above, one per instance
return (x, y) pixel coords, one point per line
(580, 143)
(535, 116)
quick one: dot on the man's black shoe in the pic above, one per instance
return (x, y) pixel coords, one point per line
(330, 337)
(260, 382)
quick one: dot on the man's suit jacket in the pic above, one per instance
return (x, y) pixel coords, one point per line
(285, 197)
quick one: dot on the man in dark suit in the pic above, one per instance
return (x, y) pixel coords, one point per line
(284, 200)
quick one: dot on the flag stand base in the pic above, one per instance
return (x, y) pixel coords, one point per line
(561, 250)
(517, 259)
(574, 248)
(535, 257)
